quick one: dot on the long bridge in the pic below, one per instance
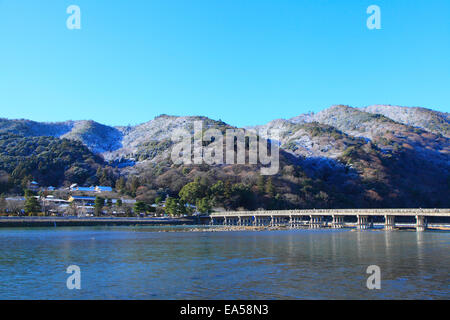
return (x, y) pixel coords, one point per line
(318, 218)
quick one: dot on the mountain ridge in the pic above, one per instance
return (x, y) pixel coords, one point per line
(107, 140)
(339, 157)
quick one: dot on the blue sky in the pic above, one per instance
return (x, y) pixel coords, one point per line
(245, 62)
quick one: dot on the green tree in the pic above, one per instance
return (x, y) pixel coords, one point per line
(270, 189)
(261, 184)
(32, 205)
(227, 191)
(191, 192)
(98, 205)
(171, 206)
(217, 192)
(174, 207)
(140, 207)
(203, 205)
(119, 202)
(218, 189)
(28, 193)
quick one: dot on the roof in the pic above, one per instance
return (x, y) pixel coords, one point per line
(102, 188)
(85, 189)
(82, 198)
(15, 199)
(55, 200)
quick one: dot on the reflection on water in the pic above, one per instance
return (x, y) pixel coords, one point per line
(140, 263)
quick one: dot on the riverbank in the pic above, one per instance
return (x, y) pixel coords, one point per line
(18, 222)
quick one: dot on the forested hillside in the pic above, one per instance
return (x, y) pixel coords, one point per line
(341, 157)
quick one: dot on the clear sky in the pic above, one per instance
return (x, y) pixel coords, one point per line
(245, 62)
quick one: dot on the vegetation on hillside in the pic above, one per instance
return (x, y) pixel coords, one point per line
(49, 161)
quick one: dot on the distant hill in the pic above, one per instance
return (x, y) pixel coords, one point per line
(378, 156)
(49, 160)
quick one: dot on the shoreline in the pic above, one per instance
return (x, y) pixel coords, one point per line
(193, 224)
(19, 222)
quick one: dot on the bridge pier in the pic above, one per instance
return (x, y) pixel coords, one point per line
(294, 222)
(316, 222)
(338, 222)
(389, 223)
(421, 223)
(262, 221)
(363, 222)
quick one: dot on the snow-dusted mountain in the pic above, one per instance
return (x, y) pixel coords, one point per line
(378, 156)
(327, 133)
(433, 121)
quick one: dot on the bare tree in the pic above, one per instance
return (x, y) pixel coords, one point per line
(15, 206)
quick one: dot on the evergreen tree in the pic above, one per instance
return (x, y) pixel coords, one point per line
(192, 192)
(140, 207)
(175, 207)
(261, 184)
(32, 205)
(203, 205)
(98, 205)
(270, 189)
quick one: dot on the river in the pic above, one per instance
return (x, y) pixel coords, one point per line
(145, 263)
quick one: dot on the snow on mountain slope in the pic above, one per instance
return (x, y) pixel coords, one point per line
(97, 137)
(430, 120)
(327, 133)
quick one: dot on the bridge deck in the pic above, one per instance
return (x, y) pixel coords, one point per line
(338, 212)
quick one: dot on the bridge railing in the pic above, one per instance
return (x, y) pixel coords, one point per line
(330, 212)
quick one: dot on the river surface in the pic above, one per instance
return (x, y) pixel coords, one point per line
(143, 263)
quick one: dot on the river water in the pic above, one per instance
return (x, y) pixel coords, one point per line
(144, 263)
